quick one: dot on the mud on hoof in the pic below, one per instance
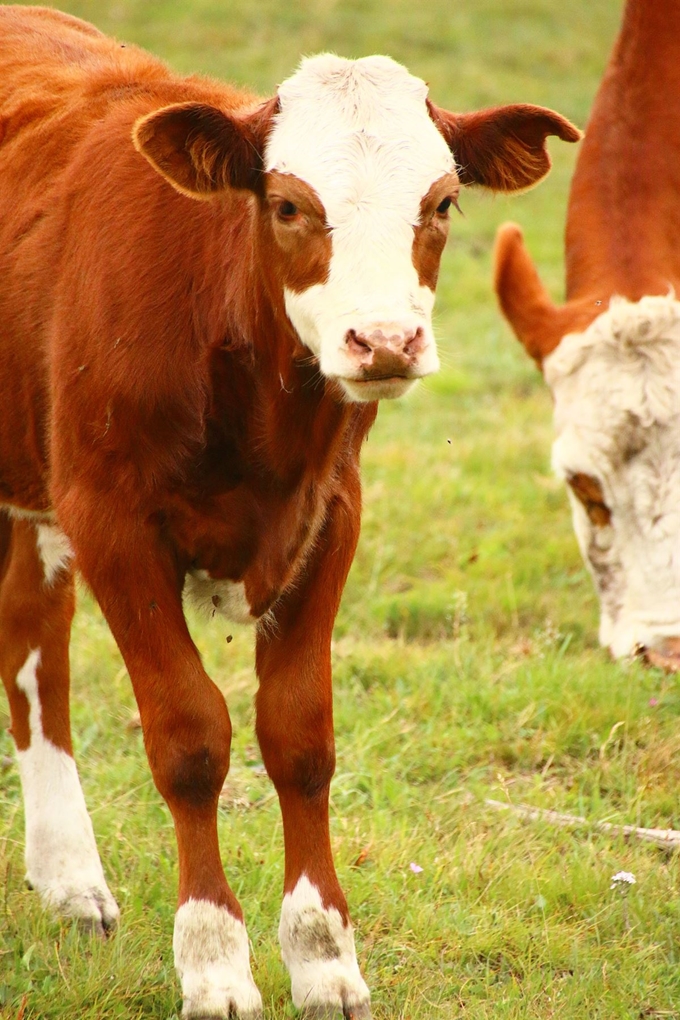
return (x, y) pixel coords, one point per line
(362, 1012)
(318, 948)
(93, 908)
(99, 915)
(212, 960)
(232, 1015)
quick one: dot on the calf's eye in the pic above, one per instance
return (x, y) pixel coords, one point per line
(443, 207)
(287, 210)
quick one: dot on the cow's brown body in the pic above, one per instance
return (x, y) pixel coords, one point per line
(623, 218)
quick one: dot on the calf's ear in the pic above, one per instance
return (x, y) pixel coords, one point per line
(502, 148)
(201, 150)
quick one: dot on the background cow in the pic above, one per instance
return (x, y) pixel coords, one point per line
(202, 297)
(611, 355)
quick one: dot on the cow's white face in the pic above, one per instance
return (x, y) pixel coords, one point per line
(617, 415)
(359, 135)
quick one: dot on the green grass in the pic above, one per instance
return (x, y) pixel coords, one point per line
(466, 656)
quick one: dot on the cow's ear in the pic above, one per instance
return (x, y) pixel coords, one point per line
(502, 148)
(203, 151)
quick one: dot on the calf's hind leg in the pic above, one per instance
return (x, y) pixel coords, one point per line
(36, 608)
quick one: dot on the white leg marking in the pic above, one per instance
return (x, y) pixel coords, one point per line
(62, 861)
(55, 550)
(318, 950)
(212, 960)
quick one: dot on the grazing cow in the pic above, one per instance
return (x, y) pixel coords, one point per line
(611, 354)
(202, 297)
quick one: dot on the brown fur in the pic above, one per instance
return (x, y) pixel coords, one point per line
(623, 220)
(35, 615)
(502, 148)
(537, 321)
(433, 230)
(305, 237)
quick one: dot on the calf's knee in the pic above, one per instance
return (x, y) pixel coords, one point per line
(307, 768)
(190, 758)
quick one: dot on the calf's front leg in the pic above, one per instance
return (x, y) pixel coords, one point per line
(187, 734)
(295, 731)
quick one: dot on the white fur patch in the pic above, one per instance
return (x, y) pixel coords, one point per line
(359, 132)
(45, 516)
(226, 598)
(318, 950)
(55, 550)
(212, 960)
(617, 416)
(62, 861)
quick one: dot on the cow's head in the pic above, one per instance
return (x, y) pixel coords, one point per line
(617, 415)
(355, 172)
(614, 373)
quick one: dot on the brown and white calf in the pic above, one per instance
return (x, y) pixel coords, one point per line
(202, 297)
(611, 354)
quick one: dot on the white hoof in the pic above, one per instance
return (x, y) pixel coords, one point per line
(318, 950)
(212, 960)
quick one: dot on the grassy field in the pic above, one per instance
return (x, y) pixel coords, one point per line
(466, 659)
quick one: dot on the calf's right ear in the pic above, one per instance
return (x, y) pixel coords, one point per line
(201, 150)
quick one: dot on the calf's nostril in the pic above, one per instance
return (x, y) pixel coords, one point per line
(356, 343)
(414, 341)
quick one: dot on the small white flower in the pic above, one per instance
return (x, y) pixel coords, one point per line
(622, 879)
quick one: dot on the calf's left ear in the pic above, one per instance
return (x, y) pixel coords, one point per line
(201, 150)
(502, 148)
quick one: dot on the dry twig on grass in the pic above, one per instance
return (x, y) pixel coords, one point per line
(667, 839)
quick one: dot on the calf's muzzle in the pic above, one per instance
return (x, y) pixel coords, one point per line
(385, 352)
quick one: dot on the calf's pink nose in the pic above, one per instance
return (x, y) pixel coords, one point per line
(398, 341)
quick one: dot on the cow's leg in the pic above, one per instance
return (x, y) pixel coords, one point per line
(187, 734)
(295, 730)
(36, 609)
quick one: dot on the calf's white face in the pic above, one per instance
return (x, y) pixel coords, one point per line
(617, 414)
(354, 170)
(360, 135)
